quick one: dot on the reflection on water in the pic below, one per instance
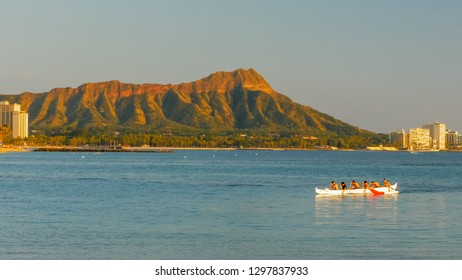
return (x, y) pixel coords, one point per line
(370, 206)
(328, 206)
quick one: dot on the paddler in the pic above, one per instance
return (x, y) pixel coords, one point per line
(365, 185)
(386, 184)
(333, 185)
(375, 184)
(354, 185)
(343, 186)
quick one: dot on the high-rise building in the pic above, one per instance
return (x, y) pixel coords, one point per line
(419, 139)
(17, 120)
(437, 134)
(452, 137)
(399, 139)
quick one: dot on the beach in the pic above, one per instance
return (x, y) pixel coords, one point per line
(13, 149)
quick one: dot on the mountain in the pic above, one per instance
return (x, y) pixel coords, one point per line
(223, 101)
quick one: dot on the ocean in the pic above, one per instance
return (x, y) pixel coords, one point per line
(242, 205)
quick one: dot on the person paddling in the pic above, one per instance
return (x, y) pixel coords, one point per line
(333, 185)
(375, 184)
(386, 184)
(343, 186)
(365, 186)
(354, 185)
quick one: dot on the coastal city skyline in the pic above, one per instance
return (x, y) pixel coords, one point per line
(435, 136)
(377, 66)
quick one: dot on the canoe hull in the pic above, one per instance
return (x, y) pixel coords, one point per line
(385, 190)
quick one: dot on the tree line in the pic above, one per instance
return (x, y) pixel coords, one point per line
(202, 141)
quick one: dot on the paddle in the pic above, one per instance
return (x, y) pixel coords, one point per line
(376, 192)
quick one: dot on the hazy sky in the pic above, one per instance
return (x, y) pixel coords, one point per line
(379, 65)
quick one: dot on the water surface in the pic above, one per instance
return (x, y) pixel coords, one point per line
(227, 205)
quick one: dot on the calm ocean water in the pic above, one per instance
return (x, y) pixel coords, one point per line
(227, 205)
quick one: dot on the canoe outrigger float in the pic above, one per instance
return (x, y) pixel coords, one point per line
(372, 191)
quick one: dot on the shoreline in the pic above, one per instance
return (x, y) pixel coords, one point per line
(13, 150)
(173, 149)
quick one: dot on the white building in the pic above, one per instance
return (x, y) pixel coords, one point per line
(419, 139)
(437, 134)
(452, 137)
(17, 120)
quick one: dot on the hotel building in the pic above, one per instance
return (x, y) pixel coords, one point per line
(399, 139)
(17, 120)
(419, 139)
(452, 137)
(437, 134)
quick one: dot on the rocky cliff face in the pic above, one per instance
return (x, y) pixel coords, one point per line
(223, 101)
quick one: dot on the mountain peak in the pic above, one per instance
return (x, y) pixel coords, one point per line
(223, 81)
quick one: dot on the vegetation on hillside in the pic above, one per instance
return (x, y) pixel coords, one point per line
(5, 132)
(241, 140)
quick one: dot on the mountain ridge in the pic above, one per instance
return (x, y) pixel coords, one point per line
(222, 101)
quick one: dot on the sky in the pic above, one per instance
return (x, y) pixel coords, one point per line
(378, 65)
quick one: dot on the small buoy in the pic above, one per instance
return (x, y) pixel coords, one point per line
(213, 156)
(235, 155)
(83, 156)
(184, 157)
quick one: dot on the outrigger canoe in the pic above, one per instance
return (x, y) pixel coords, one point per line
(373, 191)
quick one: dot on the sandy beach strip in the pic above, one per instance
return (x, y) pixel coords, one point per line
(13, 149)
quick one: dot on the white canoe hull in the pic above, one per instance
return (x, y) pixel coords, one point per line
(385, 190)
